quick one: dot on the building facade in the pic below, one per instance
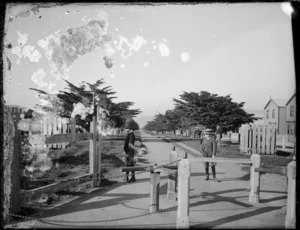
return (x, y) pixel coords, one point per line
(291, 118)
(275, 114)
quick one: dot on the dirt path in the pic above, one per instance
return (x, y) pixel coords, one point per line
(212, 205)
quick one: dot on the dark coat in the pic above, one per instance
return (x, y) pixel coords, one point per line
(130, 152)
(209, 147)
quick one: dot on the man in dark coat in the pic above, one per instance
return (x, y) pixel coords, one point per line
(130, 152)
(209, 149)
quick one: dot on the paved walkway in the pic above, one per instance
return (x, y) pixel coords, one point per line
(212, 205)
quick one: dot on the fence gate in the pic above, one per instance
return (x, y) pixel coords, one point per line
(259, 139)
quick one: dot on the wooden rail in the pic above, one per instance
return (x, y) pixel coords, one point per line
(28, 195)
(221, 160)
(275, 171)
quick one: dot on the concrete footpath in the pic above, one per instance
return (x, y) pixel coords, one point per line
(212, 205)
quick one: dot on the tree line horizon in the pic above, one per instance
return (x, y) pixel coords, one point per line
(191, 110)
(201, 110)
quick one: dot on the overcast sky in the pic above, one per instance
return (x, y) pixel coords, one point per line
(157, 52)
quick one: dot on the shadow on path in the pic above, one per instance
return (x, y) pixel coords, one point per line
(216, 223)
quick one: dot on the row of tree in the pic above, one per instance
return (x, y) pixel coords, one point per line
(62, 104)
(194, 111)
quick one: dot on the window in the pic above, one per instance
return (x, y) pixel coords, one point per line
(292, 111)
(267, 114)
(292, 129)
(273, 113)
(288, 128)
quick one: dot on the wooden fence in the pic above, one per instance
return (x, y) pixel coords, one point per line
(259, 139)
(47, 126)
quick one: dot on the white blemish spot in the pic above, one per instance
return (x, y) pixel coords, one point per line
(17, 51)
(146, 64)
(164, 50)
(164, 40)
(116, 29)
(22, 38)
(122, 66)
(185, 57)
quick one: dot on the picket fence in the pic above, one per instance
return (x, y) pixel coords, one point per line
(259, 139)
(47, 126)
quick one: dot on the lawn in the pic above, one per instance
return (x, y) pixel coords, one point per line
(232, 150)
(72, 162)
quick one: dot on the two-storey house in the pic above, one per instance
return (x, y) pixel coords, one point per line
(291, 118)
(275, 113)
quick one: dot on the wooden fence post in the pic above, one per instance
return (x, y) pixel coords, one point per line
(254, 179)
(11, 186)
(99, 158)
(184, 171)
(94, 150)
(91, 150)
(290, 219)
(154, 191)
(171, 193)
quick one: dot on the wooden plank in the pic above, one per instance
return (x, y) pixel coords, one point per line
(134, 168)
(259, 133)
(272, 139)
(64, 130)
(268, 143)
(73, 128)
(71, 137)
(28, 195)
(99, 159)
(263, 141)
(241, 131)
(54, 125)
(246, 138)
(171, 192)
(91, 151)
(254, 140)
(221, 160)
(94, 151)
(58, 122)
(274, 171)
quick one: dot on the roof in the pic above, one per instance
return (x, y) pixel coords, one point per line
(290, 99)
(278, 102)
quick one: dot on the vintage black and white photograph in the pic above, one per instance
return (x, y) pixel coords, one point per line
(149, 115)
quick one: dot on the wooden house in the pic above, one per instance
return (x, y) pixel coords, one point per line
(275, 114)
(291, 118)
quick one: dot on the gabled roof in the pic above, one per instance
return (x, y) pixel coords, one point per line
(290, 99)
(278, 102)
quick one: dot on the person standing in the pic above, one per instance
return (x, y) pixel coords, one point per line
(209, 149)
(130, 152)
(219, 135)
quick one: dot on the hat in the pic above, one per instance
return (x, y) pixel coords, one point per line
(209, 132)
